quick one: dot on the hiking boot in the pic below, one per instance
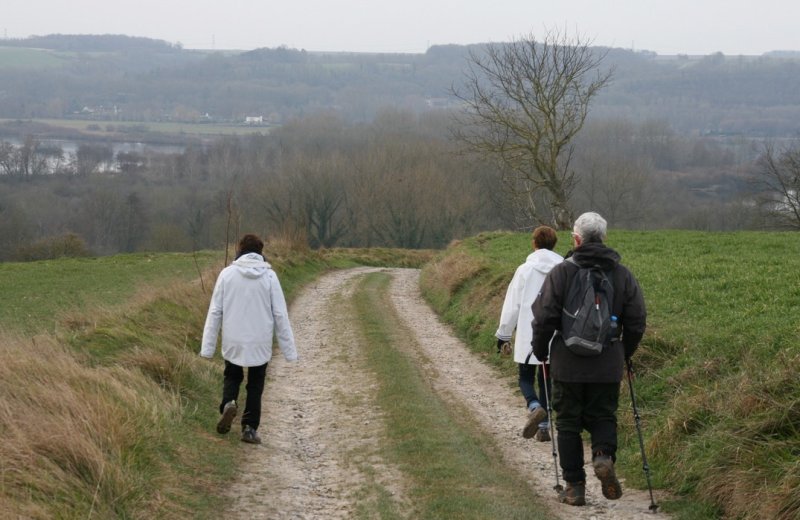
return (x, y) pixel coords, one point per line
(604, 470)
(542, 435)
(574, 494)
(535, 416)
(228, 413)
(250, 436)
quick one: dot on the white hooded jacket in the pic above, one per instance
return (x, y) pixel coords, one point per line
(522, 290)
(249, 305)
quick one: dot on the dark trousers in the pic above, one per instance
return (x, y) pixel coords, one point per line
(527, 375)
(233, 377)
(584, 406)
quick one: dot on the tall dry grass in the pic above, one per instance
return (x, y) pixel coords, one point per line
(288, 238)
(451, 271)
(68, 430)
(97, 420)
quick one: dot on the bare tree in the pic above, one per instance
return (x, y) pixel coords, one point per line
(8, 158)
(615, 173)
(526, 100)
(618, 188)
(777, 178)
(310, 194)
(28, 159)
(92, 157)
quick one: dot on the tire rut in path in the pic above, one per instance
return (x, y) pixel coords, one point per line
(320, 427)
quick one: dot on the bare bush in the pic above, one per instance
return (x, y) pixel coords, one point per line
(777, 178)
(68, 245)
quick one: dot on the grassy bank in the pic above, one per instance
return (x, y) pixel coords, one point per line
(453, 467)
(717, 382)
(45, 294)
(106, 410)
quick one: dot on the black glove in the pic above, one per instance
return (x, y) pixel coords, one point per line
(504, 347)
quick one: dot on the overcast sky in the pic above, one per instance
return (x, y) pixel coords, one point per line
(664, 26)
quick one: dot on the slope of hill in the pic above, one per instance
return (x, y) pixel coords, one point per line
(717, 382)
(106, 415)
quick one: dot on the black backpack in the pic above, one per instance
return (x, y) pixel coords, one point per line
(587, 320)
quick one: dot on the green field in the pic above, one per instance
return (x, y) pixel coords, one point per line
(717, 382)
(17, 57)
(37, 294)
(201, 129)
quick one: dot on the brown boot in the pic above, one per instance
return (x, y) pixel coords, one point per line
(574, 494)
(535, 416)
(604, 470)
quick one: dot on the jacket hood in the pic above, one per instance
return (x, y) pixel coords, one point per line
(595, 254)
(544, 260)
(252, 265)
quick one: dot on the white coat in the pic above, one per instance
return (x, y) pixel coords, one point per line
(522, 290)
(249, 305)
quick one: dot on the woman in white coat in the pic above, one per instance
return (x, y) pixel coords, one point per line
(249, 305)
(517, 314)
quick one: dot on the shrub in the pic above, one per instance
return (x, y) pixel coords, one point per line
(68, 245)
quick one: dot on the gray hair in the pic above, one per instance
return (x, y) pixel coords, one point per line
(591, 227)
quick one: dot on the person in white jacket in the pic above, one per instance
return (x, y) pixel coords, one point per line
(248, 303)
(517, 314)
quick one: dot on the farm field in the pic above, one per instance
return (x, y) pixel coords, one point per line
(30, 58)
(99, 128)
(39, 293)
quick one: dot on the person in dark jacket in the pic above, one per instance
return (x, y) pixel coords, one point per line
(586, 389)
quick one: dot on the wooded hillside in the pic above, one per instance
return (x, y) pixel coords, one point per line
(125, 78)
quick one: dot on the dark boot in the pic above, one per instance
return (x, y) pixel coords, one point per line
(250, 435)
(604, 470)
(542, 435)
(574, 494)
(228, 413)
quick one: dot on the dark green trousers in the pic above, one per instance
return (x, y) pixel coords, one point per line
(584, 406)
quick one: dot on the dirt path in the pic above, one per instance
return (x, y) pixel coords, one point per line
(319, 458)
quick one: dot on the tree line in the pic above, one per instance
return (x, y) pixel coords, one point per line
(398, 181)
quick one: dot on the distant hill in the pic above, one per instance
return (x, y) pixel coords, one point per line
(91, 43)
(114, 77)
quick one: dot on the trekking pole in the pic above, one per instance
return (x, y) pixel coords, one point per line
(558, 486)
(637, 420)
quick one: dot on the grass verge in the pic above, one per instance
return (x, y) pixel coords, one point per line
(455, 469)
(717, 381)
(106, 410)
